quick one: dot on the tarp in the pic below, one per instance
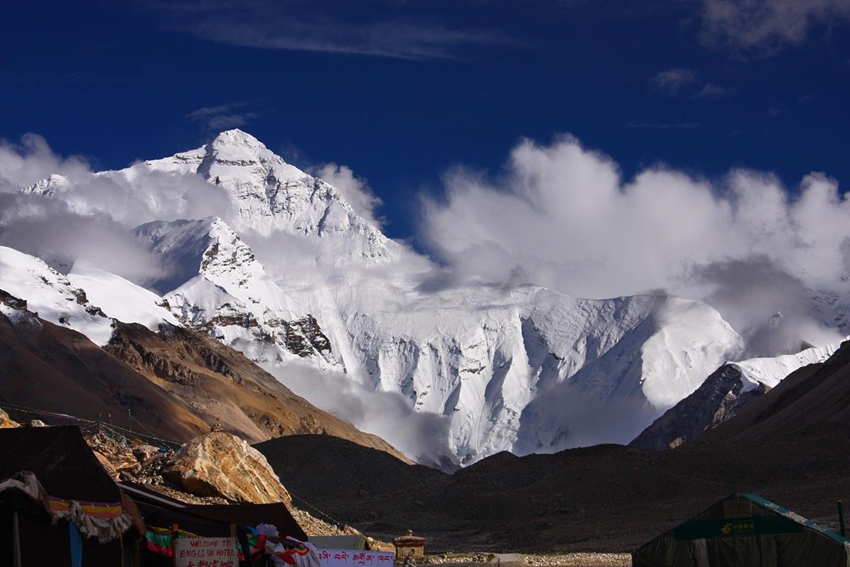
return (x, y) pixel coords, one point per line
(745, 530)
(60, 459)
(55, 467)
(214, 519)
(253, 515)
(51, 480)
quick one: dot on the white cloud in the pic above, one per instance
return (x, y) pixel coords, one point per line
(766, 25)
(686, 82)
(224, 116)
(355, 190)
(562, 216)
(88, 217)
(712, 90)
(422, 436)
(32, 160)
(47, 228)
(672, 81)
(387, 30)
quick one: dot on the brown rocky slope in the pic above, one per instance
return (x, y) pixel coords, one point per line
(223, 386)
(52, 368)
(175, 384)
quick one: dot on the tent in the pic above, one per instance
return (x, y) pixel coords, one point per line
(745, 530)
(161, 512)
(58, 506)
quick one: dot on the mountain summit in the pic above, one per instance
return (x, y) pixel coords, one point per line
(270, 196)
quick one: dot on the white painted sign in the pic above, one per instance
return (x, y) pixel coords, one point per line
(347, 558)
(206, 552)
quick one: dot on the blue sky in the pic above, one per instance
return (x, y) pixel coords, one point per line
(403, 91)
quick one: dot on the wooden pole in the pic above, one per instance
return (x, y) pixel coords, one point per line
(174, 535)
(16, 538)
(137, 554)
(841, 518)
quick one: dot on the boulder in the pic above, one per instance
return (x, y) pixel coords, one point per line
(221, 464)
(6, 421)
(144, 453)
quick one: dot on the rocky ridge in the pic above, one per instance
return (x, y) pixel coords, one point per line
(724, 394)
(225, 387)
(720, 397)
(128, 460)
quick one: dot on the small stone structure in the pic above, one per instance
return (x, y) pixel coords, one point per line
(409, 547)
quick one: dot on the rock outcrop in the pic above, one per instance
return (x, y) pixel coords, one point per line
(718, 399)
(221, 464)
(6, 421)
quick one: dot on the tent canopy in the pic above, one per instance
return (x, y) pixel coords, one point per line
(51, 487)
(745, 530)
(214, 519)
(60, 459)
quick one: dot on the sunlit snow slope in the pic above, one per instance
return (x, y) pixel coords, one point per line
(86, 300)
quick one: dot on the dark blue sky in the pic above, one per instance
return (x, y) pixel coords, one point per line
(401, 91)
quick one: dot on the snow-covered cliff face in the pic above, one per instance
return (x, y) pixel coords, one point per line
(519, 370)
(771, 370)
(86, 300)
(217, 284)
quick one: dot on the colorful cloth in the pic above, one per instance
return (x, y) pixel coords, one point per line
(288, 550)
(104, 520)
(76, 545)
(159, 541)
(107, 510)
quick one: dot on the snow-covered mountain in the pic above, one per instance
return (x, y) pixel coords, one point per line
(522, 369)
(217, 284)
(75, 301)
(725, 393)
(771, 370)
(270, 195)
